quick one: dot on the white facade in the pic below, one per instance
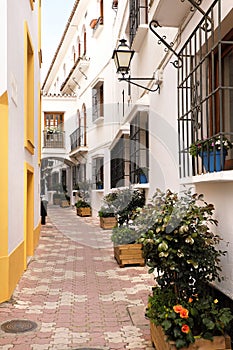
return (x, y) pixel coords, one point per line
(130, 111)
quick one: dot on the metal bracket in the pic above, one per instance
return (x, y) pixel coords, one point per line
(71, 89)
(177, 63)
(80, 70)
(132, 81)
(76, 82)
(196, 4)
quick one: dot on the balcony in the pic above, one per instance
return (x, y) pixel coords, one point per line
(54, 139)
(169, 13)
(73, 80)
(78, 142)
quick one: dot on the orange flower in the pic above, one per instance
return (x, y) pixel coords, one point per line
(190, 300)
(184, 313)
(178, 308)
(185, 328)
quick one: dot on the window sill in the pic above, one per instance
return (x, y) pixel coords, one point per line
(147, 185)
(217, 176)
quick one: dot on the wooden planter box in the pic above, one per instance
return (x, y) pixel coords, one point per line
(159, 341)
(83, 211)
(64, 203)
(129, 254)
(108, 223)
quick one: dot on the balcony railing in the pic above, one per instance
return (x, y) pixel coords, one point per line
(78, 138)
(54, 139)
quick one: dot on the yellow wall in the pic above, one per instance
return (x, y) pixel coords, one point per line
(4, 174)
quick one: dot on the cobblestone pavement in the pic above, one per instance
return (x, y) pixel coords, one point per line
(76, 293)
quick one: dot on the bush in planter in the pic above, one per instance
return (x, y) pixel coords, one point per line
(124, 235)
(178, 242)
(126, 203)
(82, 204)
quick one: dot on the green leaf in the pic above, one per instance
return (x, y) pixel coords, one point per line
(208, 323)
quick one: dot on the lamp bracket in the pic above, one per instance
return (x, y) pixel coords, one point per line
(153, 25)
(132, 81)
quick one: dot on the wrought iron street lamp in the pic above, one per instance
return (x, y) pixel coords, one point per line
(122, 57)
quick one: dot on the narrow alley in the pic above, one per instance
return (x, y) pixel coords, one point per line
(76, 293)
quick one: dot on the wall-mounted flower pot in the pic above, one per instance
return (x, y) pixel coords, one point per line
(93, 23)
(212, 160)
(142, 179)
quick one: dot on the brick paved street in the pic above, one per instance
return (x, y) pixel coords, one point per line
(76, 293)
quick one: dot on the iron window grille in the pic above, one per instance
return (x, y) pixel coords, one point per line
(205, 90)
(78, 138)
(139, 147)
(98, 172)
(98, 101)
(120, 165)
(138, 14)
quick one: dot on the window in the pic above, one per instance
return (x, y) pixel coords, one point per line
(98, 101)
(78, 174)
(120, 164)
(98, 173)
(54, 136)
(78, 138)
(53, 120)
(73, 54)
(138, 14)
(84, 41)
(79, 47)
(205, 89)
(139, 148)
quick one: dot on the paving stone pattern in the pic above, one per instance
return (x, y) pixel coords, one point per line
(76, 293)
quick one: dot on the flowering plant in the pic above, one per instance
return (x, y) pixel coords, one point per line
(211, 144)
(184, 320)
(175, 232)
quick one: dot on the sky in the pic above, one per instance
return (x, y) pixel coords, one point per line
(55, 14)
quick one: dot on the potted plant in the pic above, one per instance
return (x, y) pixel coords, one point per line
(175, 233)
(93, 23)
(212, 150)
(127, 202)
(126, 250)
(107, 213)
(142, 174)
(83, 208)
(99, 185)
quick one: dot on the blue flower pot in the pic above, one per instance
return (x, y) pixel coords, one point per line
(209, 158)
(142, 179)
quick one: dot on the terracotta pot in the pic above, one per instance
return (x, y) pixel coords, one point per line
(93, 23)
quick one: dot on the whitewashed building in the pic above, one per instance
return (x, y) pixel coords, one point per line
(114, 128)
(20, 110)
